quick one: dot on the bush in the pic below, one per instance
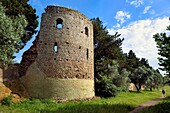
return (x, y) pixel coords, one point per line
(7, 101)
(105, 87)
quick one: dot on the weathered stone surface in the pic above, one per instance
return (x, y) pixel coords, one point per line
(40, 86)
(28, 58)
(60, 64)
(74, 56)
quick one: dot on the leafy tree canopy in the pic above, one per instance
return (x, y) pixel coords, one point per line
(163, 45)
(21, 7)
(107, 51)
(11, 29)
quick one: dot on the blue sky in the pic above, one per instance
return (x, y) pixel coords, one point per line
(136, 20)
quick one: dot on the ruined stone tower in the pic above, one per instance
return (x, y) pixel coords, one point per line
(62, 66)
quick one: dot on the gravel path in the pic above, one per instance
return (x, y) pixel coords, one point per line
(146, 104)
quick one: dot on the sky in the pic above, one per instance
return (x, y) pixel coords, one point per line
(136, 20)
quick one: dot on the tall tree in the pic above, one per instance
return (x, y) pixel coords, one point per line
(106, 49)
(21, 7)
(163, 45)
(11, 29)
(132, 62)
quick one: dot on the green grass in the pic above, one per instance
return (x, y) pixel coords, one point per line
(162, 107)
(123, 103)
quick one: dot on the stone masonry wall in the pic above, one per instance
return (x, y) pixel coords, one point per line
(74, 58)
(60, 64)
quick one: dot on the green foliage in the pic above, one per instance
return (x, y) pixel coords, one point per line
(141, 73)
(166, 80)
(124, 80)
(154, 80)
(139, 76)
(105, 87)
(163, 45)
(10, 32)
(132, 61)
(106, 49)
(7, 101)
(21, 7)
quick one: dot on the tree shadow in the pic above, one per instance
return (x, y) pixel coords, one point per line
(91, 108)
(136, 92)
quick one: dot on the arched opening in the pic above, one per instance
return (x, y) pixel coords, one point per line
(86, 31)
(59, 23)
(55, 47)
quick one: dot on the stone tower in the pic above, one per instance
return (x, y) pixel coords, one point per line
(63, 67)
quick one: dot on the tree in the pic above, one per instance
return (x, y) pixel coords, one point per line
(132, 62)
(139, 76)
(106, 47)
(113, 82)
(154, 80)
(10, 32)
(21, 7)
(107, 51)
(163, 45)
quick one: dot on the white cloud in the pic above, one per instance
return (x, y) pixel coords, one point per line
(147, 8)
(136, 3)
(122, 16)
(138, 37)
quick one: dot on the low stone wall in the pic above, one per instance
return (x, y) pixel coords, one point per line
(133, 88)
(38, 85)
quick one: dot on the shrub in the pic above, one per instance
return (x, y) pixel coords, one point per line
(7, 101)
(105, 87)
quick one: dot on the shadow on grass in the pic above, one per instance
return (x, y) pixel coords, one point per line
(136, 92)
(91, 108)
(162, 107)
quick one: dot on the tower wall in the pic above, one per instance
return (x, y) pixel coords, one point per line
(64, 65)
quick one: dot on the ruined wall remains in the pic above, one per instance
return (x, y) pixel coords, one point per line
(62, 64)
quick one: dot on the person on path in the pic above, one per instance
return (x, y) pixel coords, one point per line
(163, 93)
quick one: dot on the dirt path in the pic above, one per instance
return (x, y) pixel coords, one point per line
(146, 104)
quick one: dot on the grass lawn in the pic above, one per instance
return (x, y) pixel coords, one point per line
(162, 107)
(122, 103)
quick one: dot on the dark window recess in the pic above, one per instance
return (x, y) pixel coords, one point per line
(86, 31)
(54, 58)
(79, 47)
(59, 23)
(55, 47)
(67, 42)
(87, 53)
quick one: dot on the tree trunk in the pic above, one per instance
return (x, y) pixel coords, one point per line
(150, 89)
(137, 88)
